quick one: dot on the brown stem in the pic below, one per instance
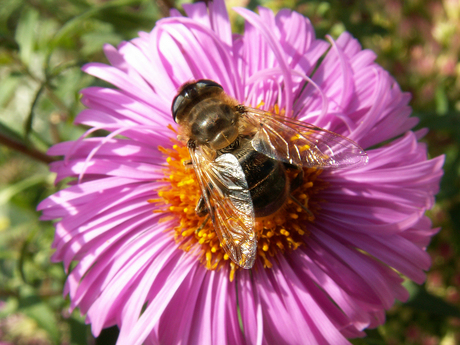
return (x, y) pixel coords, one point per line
(31, 152)
(164, 6)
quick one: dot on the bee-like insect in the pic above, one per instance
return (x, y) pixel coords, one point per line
(243, 159)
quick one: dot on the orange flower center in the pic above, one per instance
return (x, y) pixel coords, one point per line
(281, 232)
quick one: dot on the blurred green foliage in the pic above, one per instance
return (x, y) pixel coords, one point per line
(44, 43)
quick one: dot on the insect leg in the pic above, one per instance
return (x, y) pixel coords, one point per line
(202, 224)
(297, 181)
(301, 206)
(201, 208)
(188, 164)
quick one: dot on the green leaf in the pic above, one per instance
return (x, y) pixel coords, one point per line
(31, 305)
(422, 300)
(454, 213)
(95, 40)
(8, 192)
(442, 103)
(9, 307)
(30, 118)
(72, 26)
(78, 332)
(8, 87)
(6, 10)
(5, 131)
(25, 34)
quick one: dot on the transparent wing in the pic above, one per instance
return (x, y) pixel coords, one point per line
(302, 144)
(229, 203)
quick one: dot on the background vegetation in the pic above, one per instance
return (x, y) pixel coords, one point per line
(43, 44)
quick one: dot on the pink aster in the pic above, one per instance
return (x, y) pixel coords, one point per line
(131, 266)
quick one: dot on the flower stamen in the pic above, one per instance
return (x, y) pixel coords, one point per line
(284, 231)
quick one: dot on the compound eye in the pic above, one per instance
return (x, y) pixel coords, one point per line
(176, 105)
(207, 83)
(190, 91)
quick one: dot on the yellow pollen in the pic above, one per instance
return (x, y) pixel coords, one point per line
(208, 258)
(261, 104)
(295, 137)
(265, 246)
(232, 271)
(279, 233)
(284, 232)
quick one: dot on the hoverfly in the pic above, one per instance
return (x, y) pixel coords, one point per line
(241, 157)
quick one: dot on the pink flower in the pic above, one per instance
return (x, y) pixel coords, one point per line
(140, 265)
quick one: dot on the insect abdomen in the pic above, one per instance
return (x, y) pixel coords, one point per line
(266, 178)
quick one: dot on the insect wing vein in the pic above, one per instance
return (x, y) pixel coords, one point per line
(229, 203)
(302, 144)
